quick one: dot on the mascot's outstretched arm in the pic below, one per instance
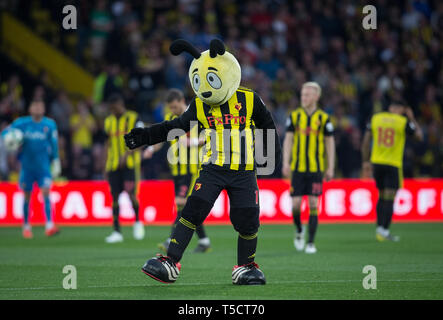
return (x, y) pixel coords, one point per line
(159, 132)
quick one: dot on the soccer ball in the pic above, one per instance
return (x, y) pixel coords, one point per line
(13, 139)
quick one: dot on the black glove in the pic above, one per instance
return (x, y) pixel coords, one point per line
(137, 138)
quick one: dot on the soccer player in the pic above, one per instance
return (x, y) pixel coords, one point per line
(39, 160)
(184, 168)
(122, 165)
(228, 114)
(309, 133)
(388, 131)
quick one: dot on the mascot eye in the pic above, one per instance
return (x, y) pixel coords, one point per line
(213, 80)
(196, 82)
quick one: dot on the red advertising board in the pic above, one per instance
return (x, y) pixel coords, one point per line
(89, 203)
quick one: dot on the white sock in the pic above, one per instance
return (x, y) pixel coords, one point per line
(204, 241)
(49, 225)
(27, 226)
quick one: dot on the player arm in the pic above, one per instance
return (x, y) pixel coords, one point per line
(366, 145)
(263, 120)
(287, 146)
(56, 167)
(412, 126)
(330, 149)
(14, 125)
(54, 143)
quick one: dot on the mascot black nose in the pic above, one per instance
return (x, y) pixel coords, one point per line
(207, 94)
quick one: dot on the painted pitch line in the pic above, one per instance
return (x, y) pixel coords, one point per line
(216, 283)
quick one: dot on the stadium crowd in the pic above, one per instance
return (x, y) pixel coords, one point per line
(279, 44)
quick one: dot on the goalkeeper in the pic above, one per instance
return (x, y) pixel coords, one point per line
(39, 161)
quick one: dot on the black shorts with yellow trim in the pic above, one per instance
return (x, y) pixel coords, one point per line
(387, 177)
(122, 179)
(241, 186)
(306, 183)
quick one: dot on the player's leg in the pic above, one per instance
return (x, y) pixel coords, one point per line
(130, 186)
(204, 243)
(297, 191)
(387, 180)
(115, 180)
(44, 181)
(179, 204)
(181, 189)
(244, 214)
(394, 182)
(207, 188)
(379, 182)
(315, 189)
(25, 183)
(312, 224)
(50, 228)
(27, 231)
(299, 235)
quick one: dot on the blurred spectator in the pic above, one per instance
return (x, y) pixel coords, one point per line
(101, 26)
(82, 125)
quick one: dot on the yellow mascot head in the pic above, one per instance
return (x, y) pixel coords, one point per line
(214, 74)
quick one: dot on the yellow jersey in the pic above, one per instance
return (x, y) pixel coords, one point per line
(115, 129)
(389, 136)
(308, 147)
(186, 162)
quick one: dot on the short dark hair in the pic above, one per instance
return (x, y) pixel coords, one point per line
(174, 94)
(115, 97)
(398, 102)
(37, 99)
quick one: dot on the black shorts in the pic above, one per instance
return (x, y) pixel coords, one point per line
(387, 177)
(241, 186)
(122, 180)
(182, 184)
(306, 183)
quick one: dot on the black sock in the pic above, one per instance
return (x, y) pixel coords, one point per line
(246, 246)
(380, 211)
(200, 230)
(313, 223)
(388, 212)
(180, 239)
(136, 206)
(115, 214)
(297, 219)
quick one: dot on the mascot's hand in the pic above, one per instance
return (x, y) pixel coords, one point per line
(136, 138)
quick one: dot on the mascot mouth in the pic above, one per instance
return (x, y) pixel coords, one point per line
(207, 94)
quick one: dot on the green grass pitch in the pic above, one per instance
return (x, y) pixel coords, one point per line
(410, 269)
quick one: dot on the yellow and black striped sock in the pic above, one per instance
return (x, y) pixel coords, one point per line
(246, 246)
(180, 239)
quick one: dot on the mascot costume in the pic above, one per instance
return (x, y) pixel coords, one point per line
(228, 115)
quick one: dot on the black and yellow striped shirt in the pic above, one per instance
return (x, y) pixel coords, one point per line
(229, 129)
(308, 148)
(187, 161)
(115, 129)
